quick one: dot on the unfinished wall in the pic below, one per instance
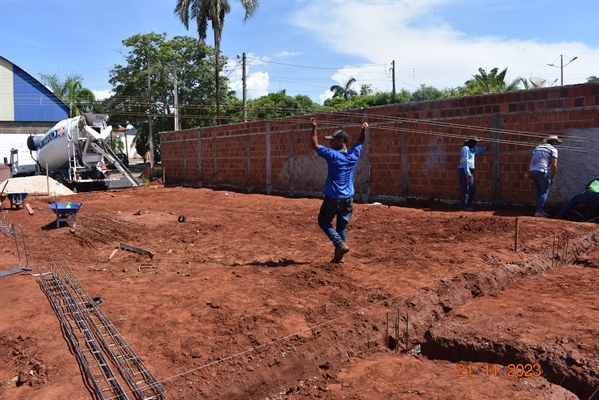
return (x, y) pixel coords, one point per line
(411, 151)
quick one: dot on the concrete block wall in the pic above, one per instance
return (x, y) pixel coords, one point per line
(411, 151)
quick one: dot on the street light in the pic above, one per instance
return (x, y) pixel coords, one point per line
(561, 66)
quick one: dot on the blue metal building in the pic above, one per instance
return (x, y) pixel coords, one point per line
(24, 99)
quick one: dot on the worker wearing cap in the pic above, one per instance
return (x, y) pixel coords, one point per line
(339, 187)
(543, 167)
(466, 171)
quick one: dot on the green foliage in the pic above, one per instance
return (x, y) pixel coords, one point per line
(376, 99)
(336, 104)
(450, 92)
(142, 144)
(426, 93)
(344, 91)
(79, 99)
(366, 90)
(490, 82)
(195, 85)
(115, 144)
(403, 96)
(214, 11)
(279, 105)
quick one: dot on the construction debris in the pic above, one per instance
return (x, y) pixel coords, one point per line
(113, 253)
(124, 246)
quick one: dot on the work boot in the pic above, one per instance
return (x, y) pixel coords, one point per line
(340, 250)
(340, 261)
(542, 214)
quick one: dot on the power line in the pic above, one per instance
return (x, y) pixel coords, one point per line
(311, 67)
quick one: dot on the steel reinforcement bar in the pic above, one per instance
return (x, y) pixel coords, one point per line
(107, 341)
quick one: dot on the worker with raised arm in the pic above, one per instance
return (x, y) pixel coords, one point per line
(339, 187)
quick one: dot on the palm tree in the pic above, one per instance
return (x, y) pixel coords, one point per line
(71, 92)
(212, 10)
(344, 91)
(492, 82)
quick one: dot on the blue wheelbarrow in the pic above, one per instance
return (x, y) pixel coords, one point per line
(16, 199)
(66, 212)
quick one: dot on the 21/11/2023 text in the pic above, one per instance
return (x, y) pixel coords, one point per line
(514, 370)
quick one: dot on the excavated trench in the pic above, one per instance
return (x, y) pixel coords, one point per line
(432, 307)
(564, 367)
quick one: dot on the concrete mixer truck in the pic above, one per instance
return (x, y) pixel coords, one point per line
(73, 153)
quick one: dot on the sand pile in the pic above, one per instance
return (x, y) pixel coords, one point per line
(35, 185)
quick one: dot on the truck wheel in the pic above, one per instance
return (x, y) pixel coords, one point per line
(59, 178)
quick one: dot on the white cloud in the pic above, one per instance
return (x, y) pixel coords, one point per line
(254, 60)
(102, 94)
(325, 96)
(426, 48)
(257, 85)
(285, 54)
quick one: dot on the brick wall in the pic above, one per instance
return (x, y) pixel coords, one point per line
(411, 151)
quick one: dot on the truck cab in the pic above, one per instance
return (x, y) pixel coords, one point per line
(23, 167)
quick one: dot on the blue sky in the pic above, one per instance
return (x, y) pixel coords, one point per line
(306, 46)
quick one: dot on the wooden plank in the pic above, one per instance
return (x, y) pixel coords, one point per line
(124, 246)
(28, 207)
(113, 253)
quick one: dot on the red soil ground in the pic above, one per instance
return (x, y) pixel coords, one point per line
(246, 279)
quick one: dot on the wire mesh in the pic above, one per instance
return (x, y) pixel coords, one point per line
(97, 343)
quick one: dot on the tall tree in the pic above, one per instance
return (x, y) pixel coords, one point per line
(366, 89)
(71, 92)
(426, 93)
(491, 82)
(344, 91)
(280, 105)
(214, 11)
(354, 102)
(182, 57)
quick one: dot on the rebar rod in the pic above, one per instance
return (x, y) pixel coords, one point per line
(124, 357)
(60, 298)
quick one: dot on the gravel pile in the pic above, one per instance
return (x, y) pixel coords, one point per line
(35, 185)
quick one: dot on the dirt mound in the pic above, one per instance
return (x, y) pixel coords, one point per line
(238, 298)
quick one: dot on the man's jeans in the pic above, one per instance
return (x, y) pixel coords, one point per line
(331, 208)
(542, 181)
(586, 197)
(467, 190)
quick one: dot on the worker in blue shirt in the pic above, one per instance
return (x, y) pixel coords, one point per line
(339, 187)
(466, 171)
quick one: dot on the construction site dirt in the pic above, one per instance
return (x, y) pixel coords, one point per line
(226, 295)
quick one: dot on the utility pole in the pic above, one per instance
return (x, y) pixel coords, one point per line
(244, 85)
(561, 67)
(176, 97)
(150, 121)
(393, 79)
